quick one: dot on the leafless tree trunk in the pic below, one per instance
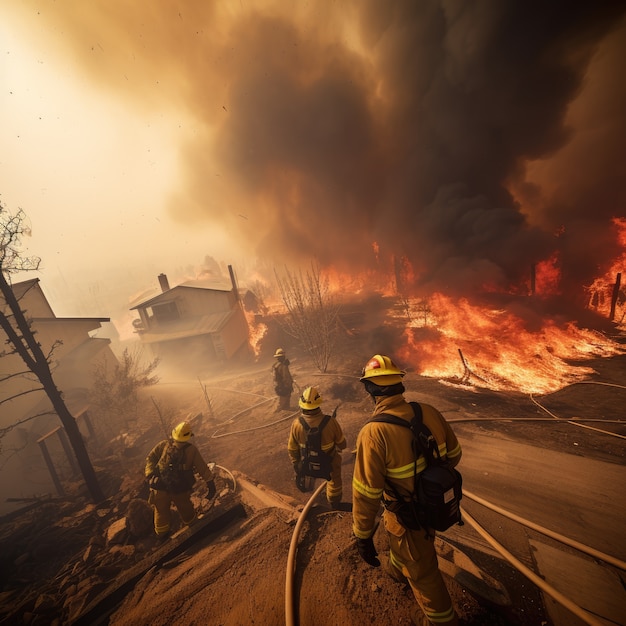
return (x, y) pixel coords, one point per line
(23, 342)
(311, 313)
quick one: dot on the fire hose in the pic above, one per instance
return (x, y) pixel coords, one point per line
(534, 578)
(290, 616)
(607, 558)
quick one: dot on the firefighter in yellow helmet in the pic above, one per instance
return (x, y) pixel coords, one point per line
(322, 458)
(283, 381)
(383, 454)
(170, 471)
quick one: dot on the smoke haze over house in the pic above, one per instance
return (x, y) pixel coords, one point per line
(475, 139)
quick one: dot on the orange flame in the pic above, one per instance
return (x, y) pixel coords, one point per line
(463, 343)
(601, 292)
(548, 276)
(256, 332)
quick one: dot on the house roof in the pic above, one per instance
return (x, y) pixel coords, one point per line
(70, 319)
(208, 286)
(189, 327)
(19, 289)
(84, 353)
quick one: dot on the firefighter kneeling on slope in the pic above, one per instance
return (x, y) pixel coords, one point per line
(170, 472)
(385, 463)
(315, 444)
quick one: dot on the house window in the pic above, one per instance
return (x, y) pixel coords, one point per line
(166, 312)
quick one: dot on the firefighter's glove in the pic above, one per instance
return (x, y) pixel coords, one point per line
(210, 489)
(301, 482)
(367, 551)
(153, 481)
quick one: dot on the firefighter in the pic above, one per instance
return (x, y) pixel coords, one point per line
(384, 453)
(332, 443)
(170, 472)
(283, 382)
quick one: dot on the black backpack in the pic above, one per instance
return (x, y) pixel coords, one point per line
(315, 463)
(174, 475)
(435, 500)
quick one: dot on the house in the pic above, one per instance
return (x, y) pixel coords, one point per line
(194, 324)
(74, 350)
(76, 347)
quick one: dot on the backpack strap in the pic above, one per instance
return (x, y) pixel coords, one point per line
(425, 440)
(387, 418)
(319, 428)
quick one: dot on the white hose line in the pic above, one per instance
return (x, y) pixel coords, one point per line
(574, 423)
(597, 382)
(607, 558)
(254, 406)
(587, 617)
(248, 430)
(290, 617)
(554, 420)
(230, 474)
(247, 393)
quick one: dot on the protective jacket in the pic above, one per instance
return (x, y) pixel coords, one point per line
(384, 453)
(283, 381)
(333, 439)
(192, 461)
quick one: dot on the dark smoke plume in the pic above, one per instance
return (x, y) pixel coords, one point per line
(316, 130)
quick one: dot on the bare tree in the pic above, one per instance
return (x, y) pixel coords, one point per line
(311, 312)
(21, 338)
(115, 390)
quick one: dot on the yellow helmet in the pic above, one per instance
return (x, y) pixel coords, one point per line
(381, 370)
(310, 399)
(182, 432)
(279, 352)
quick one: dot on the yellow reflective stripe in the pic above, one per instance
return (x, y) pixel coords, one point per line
(328, 446)
(362, 534)
(408, 470)
(394, 560)
(455, 452)
(441, 617)
(368, 492)
(333, 491)
(443, 449)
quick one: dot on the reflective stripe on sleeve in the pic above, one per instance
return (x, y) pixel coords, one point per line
(368, 492)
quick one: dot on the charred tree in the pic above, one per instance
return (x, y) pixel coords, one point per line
(614, 297)
(21, 339)
(311, 313)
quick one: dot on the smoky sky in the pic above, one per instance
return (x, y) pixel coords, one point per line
(320, 129)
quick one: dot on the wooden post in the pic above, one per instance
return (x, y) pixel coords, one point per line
(85, 416)
(68, 451)
(618, 280)
(46, 455)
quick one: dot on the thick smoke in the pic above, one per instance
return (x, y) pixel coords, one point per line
(443, 130)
